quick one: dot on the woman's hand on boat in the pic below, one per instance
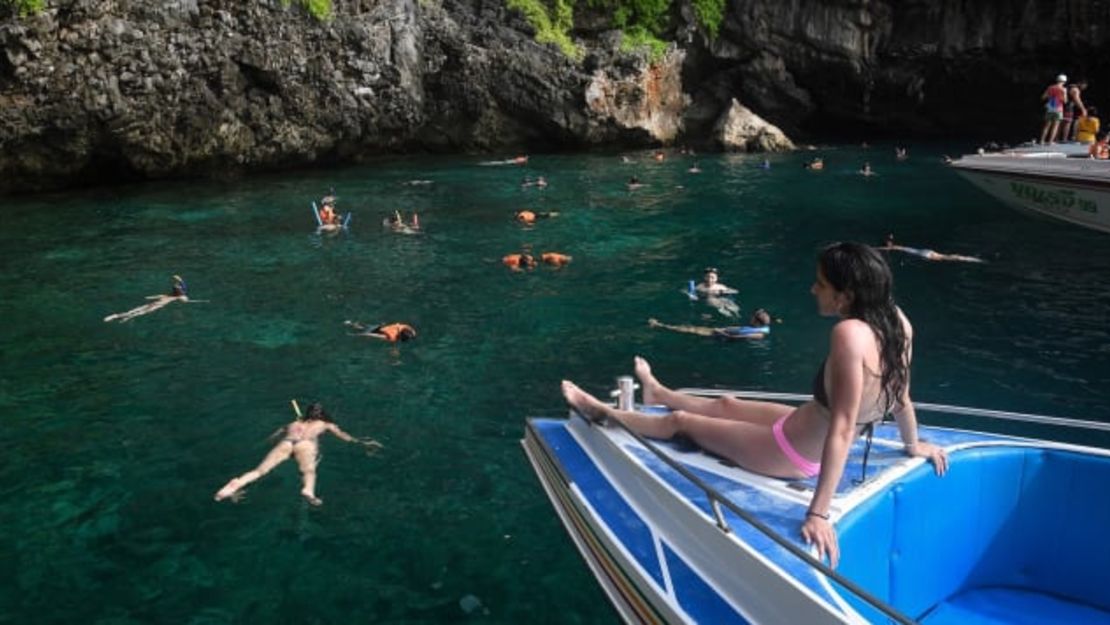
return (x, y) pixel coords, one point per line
(819, 532)
(932, 453)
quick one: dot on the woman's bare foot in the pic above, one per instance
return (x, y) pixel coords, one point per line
(588, 405)
(228, 490)
(312, 499)
(647, 381)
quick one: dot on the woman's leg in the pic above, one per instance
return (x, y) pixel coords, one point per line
(305, 451)
(591, 407)
(731, 408)
(276, 456)
(749, 445)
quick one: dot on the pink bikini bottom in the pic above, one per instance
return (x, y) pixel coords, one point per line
(807, 467)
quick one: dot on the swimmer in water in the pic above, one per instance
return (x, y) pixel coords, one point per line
(694, 169)
(759, 326)
(521, 160)
(928, 254)
(392, 332)
(634, 183)
(816, 164)
(528, 217)
(901, 153)
(766, 164)
(866, 170)
(519, 262)
(300, 442)
(555, 259)
(710, 284)
(178, 293)
(539, 183)
(397, 223)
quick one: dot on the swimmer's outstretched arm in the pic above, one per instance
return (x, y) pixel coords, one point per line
(369, 443)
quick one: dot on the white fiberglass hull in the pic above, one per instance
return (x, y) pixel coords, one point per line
(1070, 189)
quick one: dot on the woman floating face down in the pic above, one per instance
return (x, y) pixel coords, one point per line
(178, 293)
(864, 375)
(301, 442)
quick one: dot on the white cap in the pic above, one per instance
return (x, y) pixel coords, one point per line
(1062, 78)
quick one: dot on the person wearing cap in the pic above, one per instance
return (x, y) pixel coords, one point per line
(1054, 97)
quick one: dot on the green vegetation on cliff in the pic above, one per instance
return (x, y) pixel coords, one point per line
(320, 9)
(552, 24)
(643, 22)
(23, 8)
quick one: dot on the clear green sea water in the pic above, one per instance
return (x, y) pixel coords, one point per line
(117, 435)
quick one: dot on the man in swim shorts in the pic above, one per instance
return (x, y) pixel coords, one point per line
(1054, 97)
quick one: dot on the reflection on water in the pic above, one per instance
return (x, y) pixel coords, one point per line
(119, 434)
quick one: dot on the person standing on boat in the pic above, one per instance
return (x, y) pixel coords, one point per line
(300, 442)
(1073, 110)
(1054, 97)
(864, 376)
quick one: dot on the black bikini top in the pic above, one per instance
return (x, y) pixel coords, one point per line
(819, 394)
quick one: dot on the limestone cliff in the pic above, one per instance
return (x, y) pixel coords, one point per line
(107, 90)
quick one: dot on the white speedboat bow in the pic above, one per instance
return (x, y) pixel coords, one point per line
(1058, 181)
(1014, 533)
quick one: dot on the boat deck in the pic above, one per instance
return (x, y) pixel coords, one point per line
(568, 451)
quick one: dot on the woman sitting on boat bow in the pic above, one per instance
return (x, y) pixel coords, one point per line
(864, 376)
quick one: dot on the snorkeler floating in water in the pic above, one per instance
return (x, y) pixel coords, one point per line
(634, 183)
(528, 217)
(519, 262)
(300, 442)
(928, 254)
(178, 293)
(396, 223)
(759, 326)
(392, 332)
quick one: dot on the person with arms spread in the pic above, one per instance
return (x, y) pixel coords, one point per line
(301, 442)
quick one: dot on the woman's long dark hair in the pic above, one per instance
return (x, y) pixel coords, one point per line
(860, 271)
(316, 412)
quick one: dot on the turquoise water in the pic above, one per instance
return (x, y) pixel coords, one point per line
(118, 434)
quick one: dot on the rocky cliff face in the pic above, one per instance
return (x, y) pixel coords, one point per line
(902, 67)
(106, 90)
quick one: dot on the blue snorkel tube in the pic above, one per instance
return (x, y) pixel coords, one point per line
(691, 291)
(316, 215)
(346, 221)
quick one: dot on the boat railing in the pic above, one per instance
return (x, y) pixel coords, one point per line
(717, 500)
(942, 408)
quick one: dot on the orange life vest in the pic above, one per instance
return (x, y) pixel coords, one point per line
(555, 258)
